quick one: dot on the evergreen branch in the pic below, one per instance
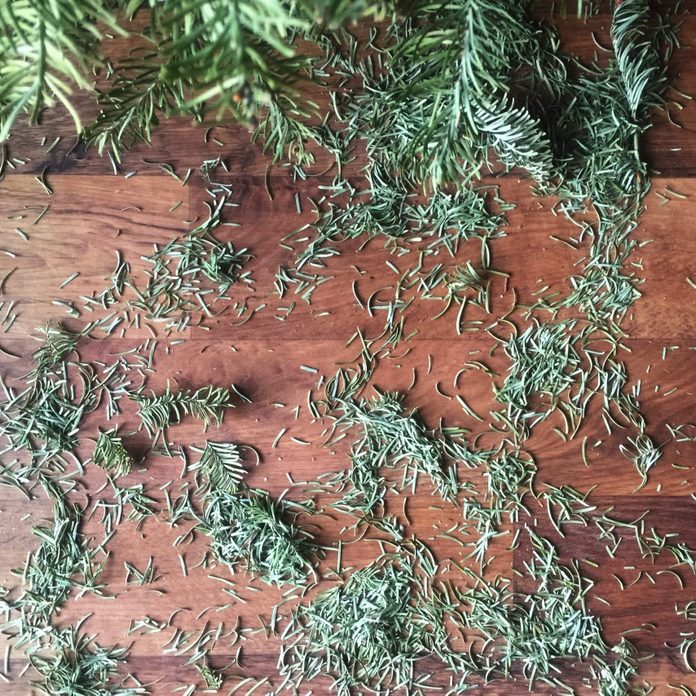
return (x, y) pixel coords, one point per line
(47, 49)
(636, 54)
(284, 132)
(133, 103)
(516, 136)
(208, 55)
(110, 454)
(223, 466)
(208, 404)
(450, 93)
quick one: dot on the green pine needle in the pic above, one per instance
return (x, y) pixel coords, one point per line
(110, 454)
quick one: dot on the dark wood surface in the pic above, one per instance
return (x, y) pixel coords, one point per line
(92, 213)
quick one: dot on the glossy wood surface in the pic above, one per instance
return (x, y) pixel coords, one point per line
(92, 213)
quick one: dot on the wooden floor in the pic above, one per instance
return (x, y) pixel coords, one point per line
(92, 213)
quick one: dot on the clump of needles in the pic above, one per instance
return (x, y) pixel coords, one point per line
(416, 108)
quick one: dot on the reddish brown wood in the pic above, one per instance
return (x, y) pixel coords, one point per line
(264, 357)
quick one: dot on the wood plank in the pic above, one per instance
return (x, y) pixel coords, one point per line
(272, 358)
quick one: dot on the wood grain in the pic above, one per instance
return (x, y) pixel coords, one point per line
(92, 213)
